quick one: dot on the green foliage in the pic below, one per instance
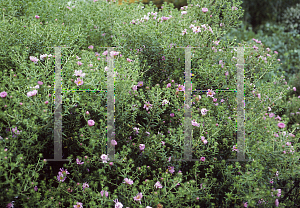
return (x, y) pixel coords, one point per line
(291, 18)
(274, 37)
(258, 12)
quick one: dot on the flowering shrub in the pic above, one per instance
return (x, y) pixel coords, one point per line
(149, 115)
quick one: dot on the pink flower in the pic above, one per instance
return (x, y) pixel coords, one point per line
(279, 192)
(104, 158)
(10, 205)
(180, 88)
(40, 83)
(36, 188)
(202, 159)
(163, 143)
(79, 162)
(87, 113)
(142, 147)
(79, 63)
(281, 125)
(37, 17)
(171, 169)
(246, 204)
(85, 185)
(147, 105)
(128, 181)
(271, 115)
(276, 52)
(113, 142)
(78, 205)
(118, 204)
(184, 12)
(290, 134)
(114, 53)
(294, 88)
(134, 87)
(91, 47)
(111, 163)
(184, 32)
(140, 84)
(204, 10)
(3, 94)
(91, 122)
(158, 185)
(79, 73)
(258, 95)
(276, 203)
(46, 102)
(210, 93)
(61, 177)
(31, 93)
(34, 59)
(168, 85)
(172, 114)
(78, 82)
(195, 123)
(203, 111)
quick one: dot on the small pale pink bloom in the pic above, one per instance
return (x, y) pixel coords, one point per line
(79, 82)
(204, 10)
(142, 147)
(281, 125)
(138, 197)
(114, 142)
(128, 181)
(276, 202)
(91, 122)
(158, 185)
(3, 94)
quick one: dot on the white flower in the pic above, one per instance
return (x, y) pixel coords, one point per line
(191, 26)
(194, 123)
(165, 102)
(79, 73)
(203, 111)
(196, 29)
(158, 185)
(146, 17)
(104, 158)
(184, 12)
(43, 56)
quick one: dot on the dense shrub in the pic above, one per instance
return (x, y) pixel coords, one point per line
(291, 18)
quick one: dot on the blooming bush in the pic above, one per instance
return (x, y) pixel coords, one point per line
(149, 115)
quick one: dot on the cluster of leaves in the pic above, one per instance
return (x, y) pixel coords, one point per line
(291, 18)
